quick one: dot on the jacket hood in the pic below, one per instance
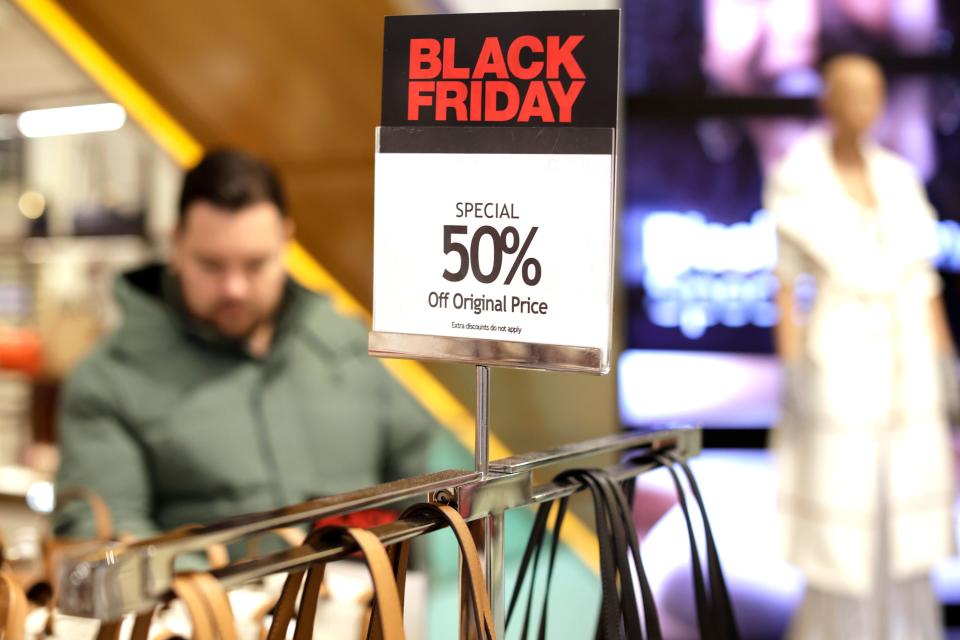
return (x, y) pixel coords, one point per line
(149, 323)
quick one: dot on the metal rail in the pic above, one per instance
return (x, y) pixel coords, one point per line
(687, 441)
(118, 579)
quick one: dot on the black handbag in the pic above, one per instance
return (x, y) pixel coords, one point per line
(620, 613)
(715, 617)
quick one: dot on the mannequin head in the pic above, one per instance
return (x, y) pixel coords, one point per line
(853, 95)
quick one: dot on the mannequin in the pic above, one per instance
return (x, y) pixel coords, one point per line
(863, 449)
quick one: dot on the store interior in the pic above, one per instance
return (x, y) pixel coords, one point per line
(714, 92)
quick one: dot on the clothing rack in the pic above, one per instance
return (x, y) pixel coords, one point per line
(117, 579)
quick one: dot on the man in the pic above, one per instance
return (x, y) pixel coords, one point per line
(228, 388)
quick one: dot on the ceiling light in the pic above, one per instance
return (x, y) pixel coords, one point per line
(65, 121)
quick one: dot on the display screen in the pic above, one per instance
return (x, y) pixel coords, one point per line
(718, 90)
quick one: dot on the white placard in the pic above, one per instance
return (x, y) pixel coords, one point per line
(549, 219)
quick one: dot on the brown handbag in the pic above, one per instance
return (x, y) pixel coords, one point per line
(472, 576)
(207, 605)
(387, 599)
(13, 608)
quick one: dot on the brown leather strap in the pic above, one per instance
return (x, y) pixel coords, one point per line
(217, 556)
(386, 595)
(286, 605)
(306, 618)
(13, 608)
(473, 577)
(389, 611)
(399, 558)
(215, 597)
(207, 605)
(109, 630)
(385, 584)
(189, 593)
(141, 625)
(102, 521)
(294, 537)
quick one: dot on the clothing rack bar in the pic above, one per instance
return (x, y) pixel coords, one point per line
(685, 440)
(289, 560)
(118, 579)
(396, 532)
(556, 490)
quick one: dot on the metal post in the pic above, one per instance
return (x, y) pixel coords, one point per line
(488, 532)
(481, 451)
(496, 578)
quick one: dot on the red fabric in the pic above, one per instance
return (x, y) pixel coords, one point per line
(360, 519)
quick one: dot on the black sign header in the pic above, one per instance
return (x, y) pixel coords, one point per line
(544, 68)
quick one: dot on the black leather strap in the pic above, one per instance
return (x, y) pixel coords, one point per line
(618, 545)
(705, 617)
(651, 618)
(561, 512)
(530, 554)
(724, 618)
(715, 617)
(629, 615)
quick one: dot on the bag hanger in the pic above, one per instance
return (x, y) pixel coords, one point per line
(99, 585)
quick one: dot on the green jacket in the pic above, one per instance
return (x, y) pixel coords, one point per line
(173, 425)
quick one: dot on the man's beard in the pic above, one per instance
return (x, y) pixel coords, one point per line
(236, 330)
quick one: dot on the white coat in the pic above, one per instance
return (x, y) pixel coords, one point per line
(864, 416)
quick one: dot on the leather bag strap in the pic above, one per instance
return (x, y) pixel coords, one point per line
(388, 609)
(307, 615)
(724, 620)
(399, 555)
(622, 509)
(102, 520)
(387, 599)
(619, 547)
(207, 605)
(704, 608)
(13, 608)
(627, 613)
(473, 578)
(218, 604)
(287, 604)
(531, 554)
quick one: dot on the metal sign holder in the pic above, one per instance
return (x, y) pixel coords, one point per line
(408, 127)
(488, 531)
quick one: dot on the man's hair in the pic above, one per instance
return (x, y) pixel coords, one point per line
(231, 180)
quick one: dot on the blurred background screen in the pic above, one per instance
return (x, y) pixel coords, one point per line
(717, 92)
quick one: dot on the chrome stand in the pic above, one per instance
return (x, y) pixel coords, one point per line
(488, 531)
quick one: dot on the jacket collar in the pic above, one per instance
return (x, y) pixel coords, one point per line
(154, 315)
